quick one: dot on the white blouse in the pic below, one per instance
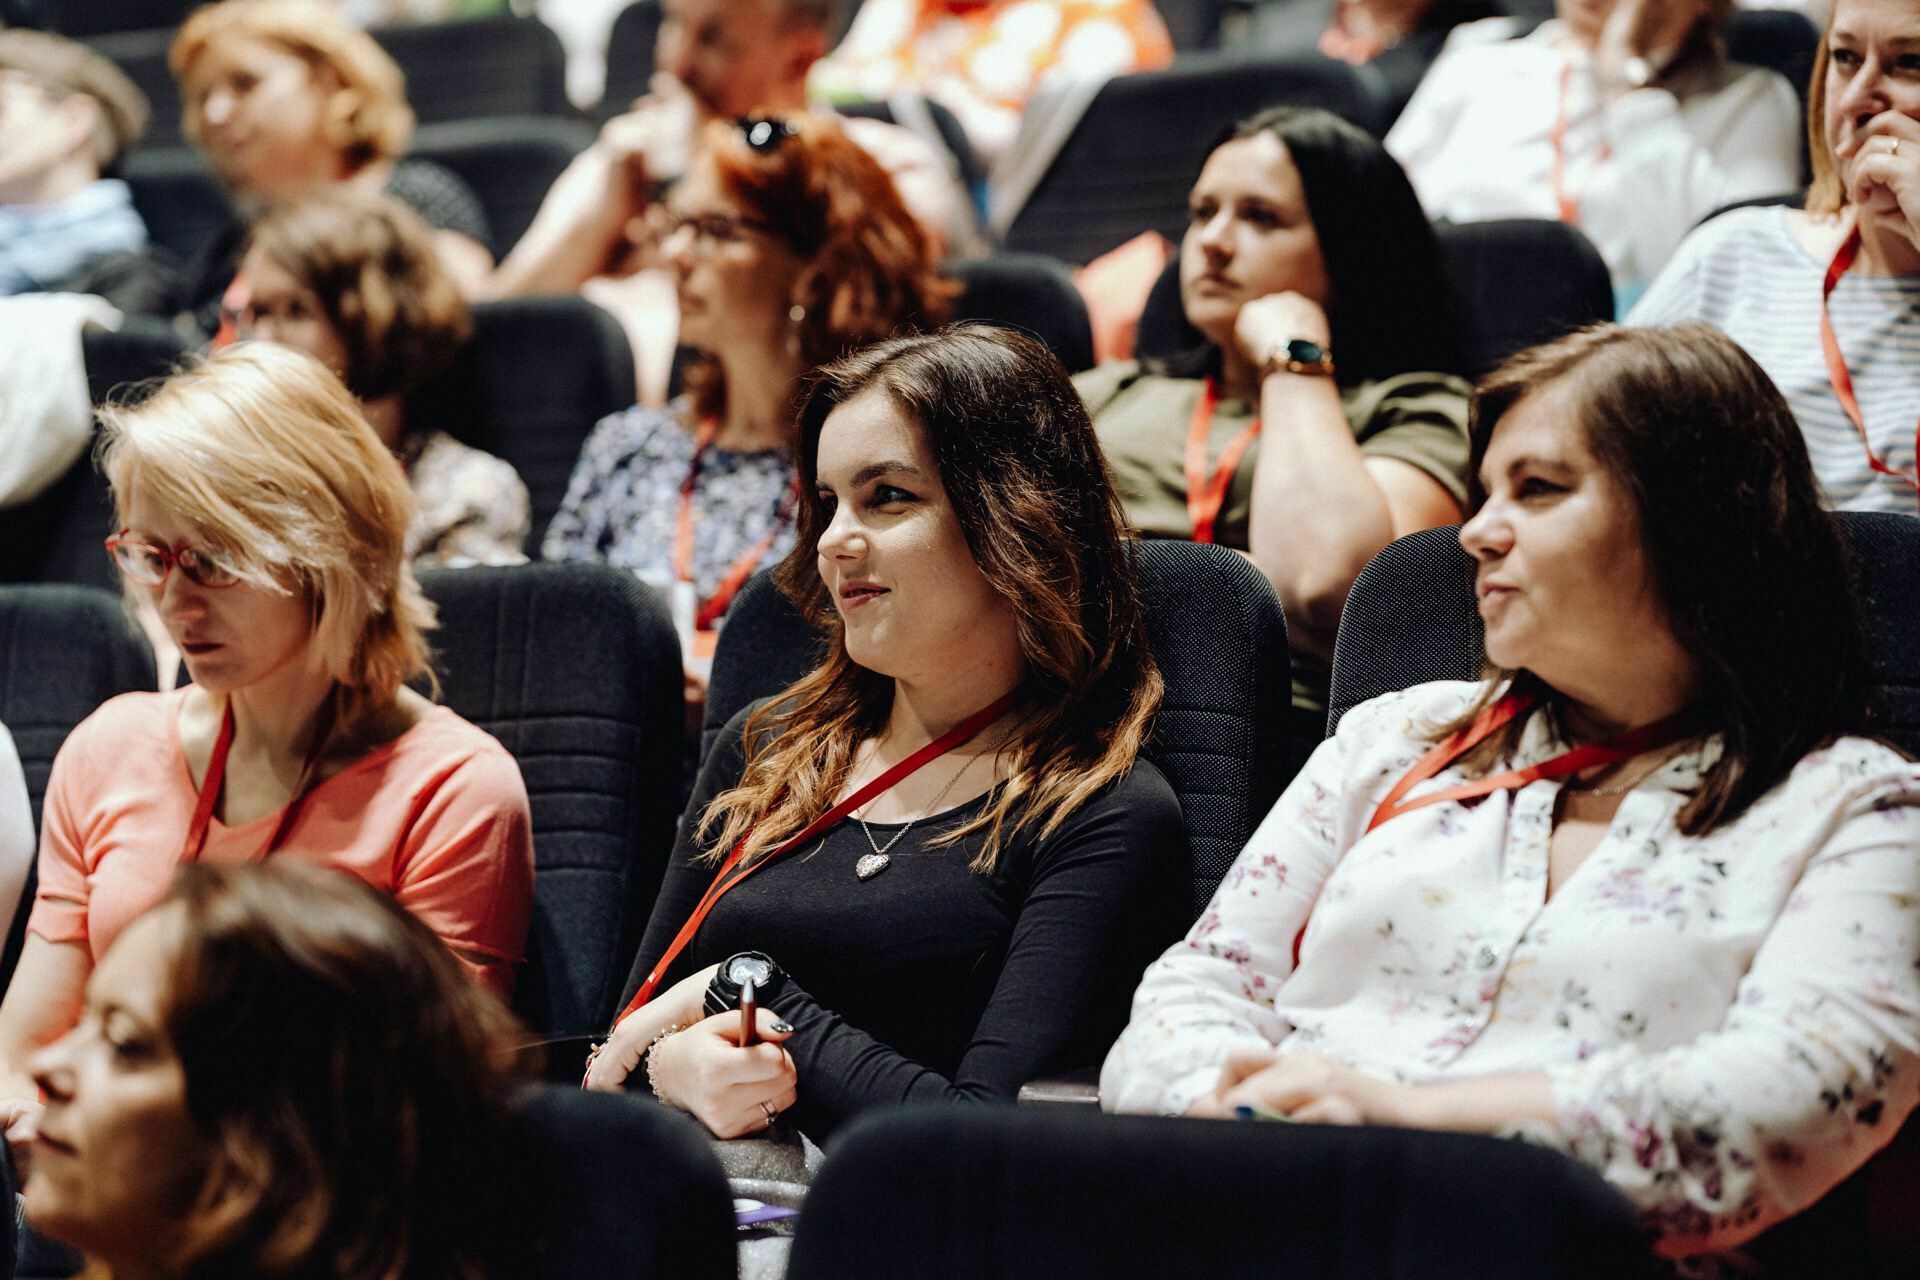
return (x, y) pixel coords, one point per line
(1643, 166)
(1730, 1024)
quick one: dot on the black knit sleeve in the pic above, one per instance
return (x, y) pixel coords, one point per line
(441, 197)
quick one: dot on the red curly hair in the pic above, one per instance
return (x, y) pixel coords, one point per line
(870, 270)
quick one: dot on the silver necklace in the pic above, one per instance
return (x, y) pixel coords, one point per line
(1618, 788)
(872, 864)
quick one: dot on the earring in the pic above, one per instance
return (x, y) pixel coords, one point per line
(796, 313)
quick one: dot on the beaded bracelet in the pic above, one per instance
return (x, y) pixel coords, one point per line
(646, 1056)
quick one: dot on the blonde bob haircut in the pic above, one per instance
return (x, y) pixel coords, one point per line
(267, 456)
(370, 120)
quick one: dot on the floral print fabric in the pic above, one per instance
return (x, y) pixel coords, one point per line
(1730, 1024)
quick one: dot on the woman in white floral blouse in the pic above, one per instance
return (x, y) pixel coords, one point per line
(1685, 952)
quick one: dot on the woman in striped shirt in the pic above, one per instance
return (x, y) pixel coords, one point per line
(1827, 299)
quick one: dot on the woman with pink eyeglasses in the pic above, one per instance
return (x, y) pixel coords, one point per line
(265, 523)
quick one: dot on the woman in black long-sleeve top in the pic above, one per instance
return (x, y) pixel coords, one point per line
(974, 922)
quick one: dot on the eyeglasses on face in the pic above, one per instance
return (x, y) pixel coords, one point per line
(710, 229)
(148, 565)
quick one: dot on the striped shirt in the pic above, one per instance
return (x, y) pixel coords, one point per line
(1746, 274)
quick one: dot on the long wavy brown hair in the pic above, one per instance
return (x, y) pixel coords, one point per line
(1025, 476)
(871, 270)
(1751, 568)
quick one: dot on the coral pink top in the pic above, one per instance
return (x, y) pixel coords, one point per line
(437, 817)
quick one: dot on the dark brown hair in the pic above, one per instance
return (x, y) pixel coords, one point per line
(1749, 566)
(1025, 476)
(371, 263)
(351, 1078)
(870, 267)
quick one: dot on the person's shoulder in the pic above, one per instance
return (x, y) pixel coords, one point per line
(1486, 40)
(132, 717)
(439, 195)
(443, 452)
(1858, 765)
(1753, 86)
(442, 743)
(1413, 714)
(639, 423)
(1444, 391)
(1106, 384)
(1741, 230)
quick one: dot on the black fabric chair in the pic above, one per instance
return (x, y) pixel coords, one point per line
(1129, 163)
(177, 196)
(576, 669)
(1195, 24)
(64, 650)
(1521, 282)
(142, 54)
(972, 1194)
(528, 387)
(1516, 283)
(953, 135)
(1030, 292)
(508, 162)
(630, 56)
(614, 1185)
(1215, 628)
(1777, 39)
(480, 67)
(56, 537)
(89, 17)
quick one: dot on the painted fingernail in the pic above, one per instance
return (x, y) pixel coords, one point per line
(1243, 1113)
(782, 1027)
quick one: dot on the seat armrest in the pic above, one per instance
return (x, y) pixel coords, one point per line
(1072, 1088)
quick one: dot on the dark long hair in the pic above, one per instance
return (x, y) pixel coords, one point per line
(351, 1078)
(1023, 470)
(1392, 308)
(1750, 567)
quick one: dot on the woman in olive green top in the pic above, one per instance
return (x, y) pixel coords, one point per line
(1315, 280)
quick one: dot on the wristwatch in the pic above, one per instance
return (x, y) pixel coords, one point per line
(1298, 356)
(723, 993)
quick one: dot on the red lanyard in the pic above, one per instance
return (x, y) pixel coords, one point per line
(217, 777)
(1633, 742)
(1647, 737)
(728, 877)
(741, 569)
(1568, 202)
(1837, 374)
(1207, 493)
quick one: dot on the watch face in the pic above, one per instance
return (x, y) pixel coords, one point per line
(1305, 352)
(741, 968)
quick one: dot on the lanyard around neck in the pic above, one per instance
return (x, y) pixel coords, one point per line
(216, 778)
(1625, 746)
(1565, 201)
(732, 873)
(710, 609)
(1837, 375)
(1207, 491)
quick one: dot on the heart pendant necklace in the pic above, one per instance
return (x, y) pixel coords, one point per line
(872, 864)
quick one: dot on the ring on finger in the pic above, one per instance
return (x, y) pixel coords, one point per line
(772, 1112)
(1896, 148)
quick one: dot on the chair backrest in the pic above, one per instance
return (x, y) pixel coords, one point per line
(1195, 24)
(529, 386)
(1214, 626)
(630, 56)
(1071, 1194)
(508, 162)
(1781, 40)
(1410, 618)
(953, 135)
(1130, 161)
(500, 66)
(614, 1185)
(177, 196)
(1033, 293)
(576, 669)
(1516, 283)
(64, 650)
(56, 537)
(142, 54)
(86, 18)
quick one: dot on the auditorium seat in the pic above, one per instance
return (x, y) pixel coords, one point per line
(576, 669)
(1517, 283)
(953, 135)
(509, 161)
(64, 650)
(1128, 164)
(1411, 618)
(614, 1185)
(57, 536)
(528, 387)
(630, 56)
(1031, 292)
(980, 1194)
(1215, 627)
